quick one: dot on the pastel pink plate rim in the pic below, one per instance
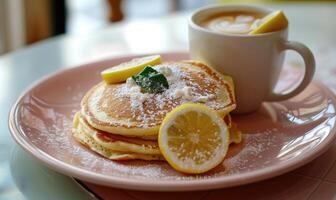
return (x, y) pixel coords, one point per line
(158, 184)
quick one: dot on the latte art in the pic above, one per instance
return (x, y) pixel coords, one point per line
(232, 23)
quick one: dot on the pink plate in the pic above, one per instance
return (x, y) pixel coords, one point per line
(279, 137)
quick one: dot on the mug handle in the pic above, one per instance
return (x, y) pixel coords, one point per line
(309, 70)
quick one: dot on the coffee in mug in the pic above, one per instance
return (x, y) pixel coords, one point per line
(220, 37)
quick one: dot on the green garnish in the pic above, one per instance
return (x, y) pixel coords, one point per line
(151, 81)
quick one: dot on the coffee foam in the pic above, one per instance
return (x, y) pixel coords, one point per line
(234, 23)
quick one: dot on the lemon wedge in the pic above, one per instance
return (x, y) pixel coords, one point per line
(272, 22)
(235, 134)
(193, 138)
(121, 72)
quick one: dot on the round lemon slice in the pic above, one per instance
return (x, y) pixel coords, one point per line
(272, 22)
(121, 72)
(193, 138)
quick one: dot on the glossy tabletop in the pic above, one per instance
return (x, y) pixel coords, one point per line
(310, 24)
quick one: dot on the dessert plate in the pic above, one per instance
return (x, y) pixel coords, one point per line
(279, 137)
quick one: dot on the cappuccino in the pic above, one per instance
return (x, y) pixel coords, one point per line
(232, 22)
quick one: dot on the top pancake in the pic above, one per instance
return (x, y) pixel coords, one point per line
(122, 109)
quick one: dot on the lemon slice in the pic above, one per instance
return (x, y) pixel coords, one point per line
(125, 70)
(235, 134)
(193, 138)
(272, 22)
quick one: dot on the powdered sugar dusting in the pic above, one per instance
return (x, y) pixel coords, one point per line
(46, 125)
(178, 89)
(186, 84)
(255, 146)
(52, 133)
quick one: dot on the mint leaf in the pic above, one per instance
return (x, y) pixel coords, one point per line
(151, 81)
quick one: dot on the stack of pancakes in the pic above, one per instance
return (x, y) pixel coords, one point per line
(119, 125)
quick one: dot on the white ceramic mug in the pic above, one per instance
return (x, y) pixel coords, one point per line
(253, 61)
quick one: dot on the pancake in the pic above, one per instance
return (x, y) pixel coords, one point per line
(114, 147)
(121, 109)
(117, 147)
(116, 142)
(88, 141)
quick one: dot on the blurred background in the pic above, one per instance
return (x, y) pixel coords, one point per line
(23, 22)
